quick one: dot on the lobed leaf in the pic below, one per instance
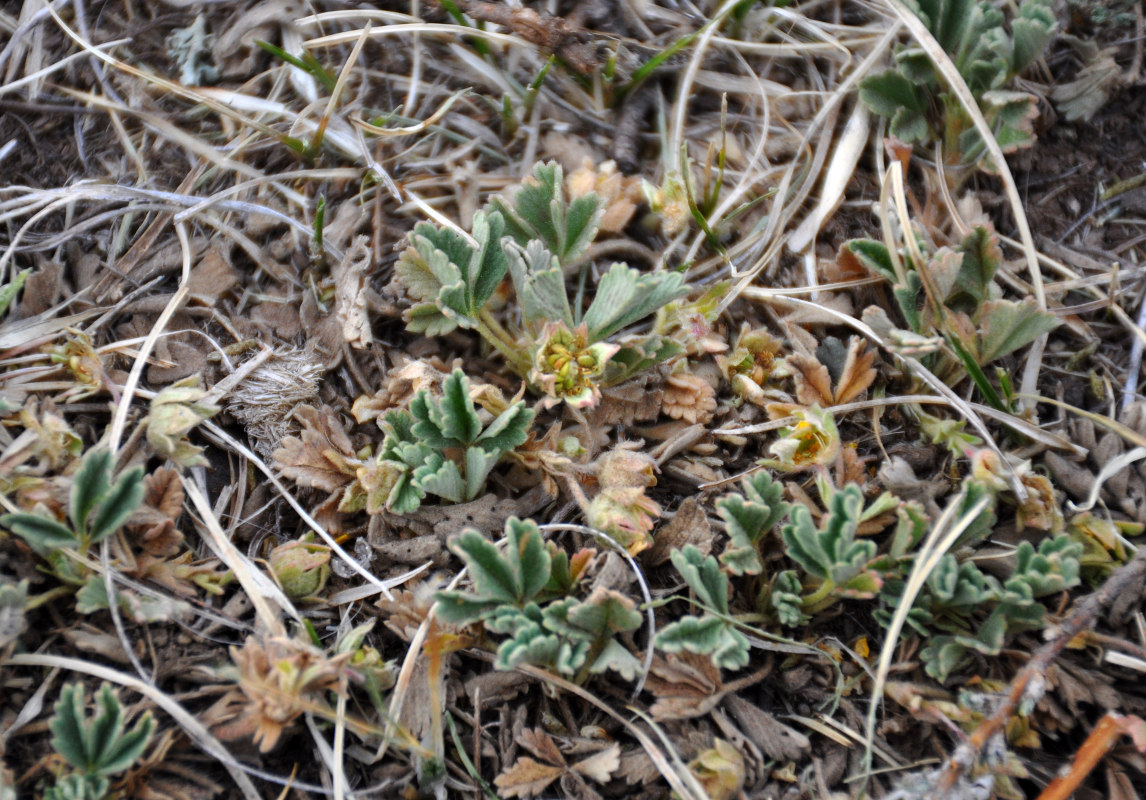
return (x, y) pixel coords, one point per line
(1004, 326)
(117, 505)
(91, 482)
(539, 283)
(42, 533)
(831, 552)
(542, 212)
(748, 517)
(625, 295)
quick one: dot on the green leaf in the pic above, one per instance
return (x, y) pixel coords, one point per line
(1053, 568)
(748, 517)
(960, 588)
(97, 747)
(449, 422)
(605, 613)
(942, 656)
(706, 635)
(441, 477)
(617, 657)
(541, 212)
(888, 92)
(90, 484)
(9, 290)
(910, 528)
(42, 533)
(539, 284)
(703, 576)
(67, 726)
(479, 463)
(117, 505)
(909, 125)
(509, 580)
(1032, 30)
(75, 786)
(488, 266)
(625, 295)
(785, 598)
(1006, 325)
(984, 523)
(980, 261)
(637, 355)
(832, 552)
(508, 430)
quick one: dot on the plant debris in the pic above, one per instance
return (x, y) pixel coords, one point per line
(586, 400)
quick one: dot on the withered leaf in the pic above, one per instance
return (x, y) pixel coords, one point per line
(600, 766)
(350, 289)
(541, 744)
(772, 736)
(858, 373)
(689, 526)
(321, 456)
(813, 383)
(527, 778)
(163, 491)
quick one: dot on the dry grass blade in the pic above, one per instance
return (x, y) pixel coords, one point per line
(943, 534)
(258, 587)
(958, 86)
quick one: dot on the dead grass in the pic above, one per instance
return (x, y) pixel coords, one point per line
(208, 210)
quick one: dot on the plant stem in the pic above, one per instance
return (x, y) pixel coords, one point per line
(820, 599)
(492, 331)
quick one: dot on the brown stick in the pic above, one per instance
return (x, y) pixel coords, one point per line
(1082, 618)
(1097, 745)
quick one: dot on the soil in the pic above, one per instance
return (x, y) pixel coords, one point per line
(192, 213)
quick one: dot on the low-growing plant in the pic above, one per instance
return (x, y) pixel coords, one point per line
(97, 507)
(96, 747)
(957, 594)
(952, 300)
(439, 446)
(713, 633)
(527, 593)
(974, 34)
(748, 517)
(567, 352)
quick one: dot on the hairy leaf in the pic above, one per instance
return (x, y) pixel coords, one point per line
(42, 533)
(98, 746)
(748, 518)
(1006, 325)
(89, 486)
(706, 635)
(540, 285)
(625, 295)
(831, 552)
(542, 212)
(512, 579)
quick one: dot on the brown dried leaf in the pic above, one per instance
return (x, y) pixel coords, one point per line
(527, 778)
(351, 285)
(401, 384)
(322, 455)
(813, 383)
(163, 491)
(212, 276)
(690, 525)
(689, 398)
(858, 373)
(600, 766)
(774, 738)
(541, 744)
(620, 195)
